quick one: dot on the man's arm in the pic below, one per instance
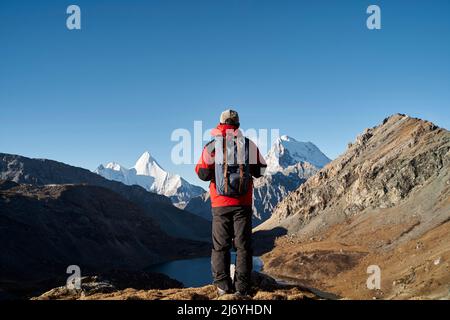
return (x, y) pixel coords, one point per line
(205, 166)
(258, 167)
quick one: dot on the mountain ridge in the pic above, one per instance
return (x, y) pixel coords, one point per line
(395, 193)
(384, 202)
(173, 221)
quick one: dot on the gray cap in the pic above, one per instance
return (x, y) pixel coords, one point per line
(229, 117)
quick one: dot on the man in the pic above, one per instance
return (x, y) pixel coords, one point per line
(231, 161)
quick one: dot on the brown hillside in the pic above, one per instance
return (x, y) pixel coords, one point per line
(385, 202)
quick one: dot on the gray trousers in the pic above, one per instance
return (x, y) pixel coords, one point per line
(232, 226)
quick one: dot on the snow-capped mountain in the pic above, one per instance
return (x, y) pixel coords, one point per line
(149, 174)
(286, 152)
(289, 164)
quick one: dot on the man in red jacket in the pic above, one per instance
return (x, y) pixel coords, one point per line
(231, 161)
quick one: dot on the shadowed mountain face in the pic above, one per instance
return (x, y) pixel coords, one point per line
(47, 228)
(200, 206)
(173, 221)
(385, 202)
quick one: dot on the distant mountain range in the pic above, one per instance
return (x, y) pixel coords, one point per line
(150, 175)
(171, 220)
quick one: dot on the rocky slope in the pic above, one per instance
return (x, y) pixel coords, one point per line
(149, 174)
(47, 228)
(386, 202)
(173, 221)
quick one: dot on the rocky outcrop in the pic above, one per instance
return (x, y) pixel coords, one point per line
(95, 288)
(172, 220)
(110, 283)
(380, 203)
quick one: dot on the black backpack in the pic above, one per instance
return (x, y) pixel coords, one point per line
(232, 166)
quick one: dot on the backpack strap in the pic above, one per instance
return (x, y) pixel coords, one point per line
(225, 166)
(241, 165)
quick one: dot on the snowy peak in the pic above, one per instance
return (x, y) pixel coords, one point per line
(145, 158)
(149, 174)
(146, 165)
(114, 166)
(116, 172)
(287, 152)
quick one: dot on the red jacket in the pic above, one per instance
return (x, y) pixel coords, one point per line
(205, 170)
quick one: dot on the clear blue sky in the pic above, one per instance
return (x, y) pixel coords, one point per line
(139, 69)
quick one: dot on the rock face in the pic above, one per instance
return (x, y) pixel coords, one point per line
(172, 220)
(273, 188)
(390, 189)
(149, 174)
(47, 228)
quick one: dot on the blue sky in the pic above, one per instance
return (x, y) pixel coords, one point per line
(140, 69)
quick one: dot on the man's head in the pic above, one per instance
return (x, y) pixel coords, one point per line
(230, 117)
